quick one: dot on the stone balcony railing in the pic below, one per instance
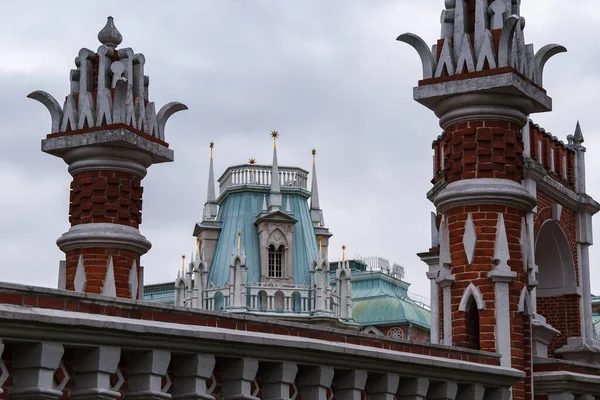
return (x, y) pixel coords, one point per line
(260, 175)
(63, 345)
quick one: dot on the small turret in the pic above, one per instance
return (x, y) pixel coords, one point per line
(211, 207)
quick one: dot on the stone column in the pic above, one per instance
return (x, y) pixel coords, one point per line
(349, 385)
(314, 382)
(445, 280)
(236, 378)
(443, 391)
(191, 373)
(146, 370)
(382, 386)
(413, 389)
(92, 370)
(432, 259)
(277, 379)
(33, 367)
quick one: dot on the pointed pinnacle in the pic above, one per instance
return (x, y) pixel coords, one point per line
(110, 35)
(578, 137)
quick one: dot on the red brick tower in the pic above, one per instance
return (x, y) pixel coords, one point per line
(109, 134)
(482, 81)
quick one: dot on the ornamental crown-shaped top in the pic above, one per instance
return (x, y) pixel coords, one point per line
(479, 35)
(108, 87)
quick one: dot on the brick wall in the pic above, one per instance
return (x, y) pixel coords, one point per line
(95, 262)
(485, 219)
(479, 149)
(553, 155)
(106, 196)
(563, 313)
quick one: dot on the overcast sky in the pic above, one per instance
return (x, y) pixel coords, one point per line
(326, 74)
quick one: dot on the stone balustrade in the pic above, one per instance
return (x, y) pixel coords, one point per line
(63, 345)
(261, 175)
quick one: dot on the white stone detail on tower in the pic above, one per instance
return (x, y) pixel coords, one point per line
(80, 278)
(133, 280)
(109, 288)
(470, 239)
(501, 251)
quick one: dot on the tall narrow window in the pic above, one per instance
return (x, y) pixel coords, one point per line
(473, 324)
(275, 261)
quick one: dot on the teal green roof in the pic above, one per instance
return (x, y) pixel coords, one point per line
(378, 299)
(238, 212)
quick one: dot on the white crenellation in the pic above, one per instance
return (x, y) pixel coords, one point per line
(82, 110)
(460, 46)
(80, 278)
(133, 280)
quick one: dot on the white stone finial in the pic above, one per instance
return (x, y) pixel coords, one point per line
(501, 250)
(110, 35)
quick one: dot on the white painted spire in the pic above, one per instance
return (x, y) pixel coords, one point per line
(315, 208)
(210, 207)
(275, 195)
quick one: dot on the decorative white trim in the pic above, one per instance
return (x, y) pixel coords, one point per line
(469, 239)
(484, 191)
(109, 288)
(80, 278)
(104, 235)
(372, 330)
(556, 211)
(133, 280)
(501, 251)
(471, 290)
(62, 275)
(525, 250)
(525, 306)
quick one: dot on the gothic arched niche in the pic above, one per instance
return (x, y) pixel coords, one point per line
(553, 256)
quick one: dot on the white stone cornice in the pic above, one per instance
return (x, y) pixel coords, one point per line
(484, 191)
(104, 235)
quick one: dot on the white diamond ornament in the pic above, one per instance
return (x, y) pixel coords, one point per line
(470, 239)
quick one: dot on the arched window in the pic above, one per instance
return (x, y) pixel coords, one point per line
(279, 301)
(275, 261)
(219, 301)
(297, 302)
(472, 322)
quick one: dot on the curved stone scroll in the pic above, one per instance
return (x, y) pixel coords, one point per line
(427, 60)
(541, 58)
(505, 50)
(51, 104)
(165, 113)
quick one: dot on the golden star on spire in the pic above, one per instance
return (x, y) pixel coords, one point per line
(274, 134)
(314, 152)
(212, 145)
(252, 161)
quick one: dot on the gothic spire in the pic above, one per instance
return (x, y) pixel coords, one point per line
(210, 207)
(275, 195)
(315, 208)
(578, 136)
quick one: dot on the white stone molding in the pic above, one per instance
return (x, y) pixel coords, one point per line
(556, 211)
(372, 330)
(525, 249)
(487, 52)
(314, 382)
(146, 370)
(109, 288)
(469, 239)
(433, 261)
(237, 377)
(33, 367)
(471, 291)
(133, 281)
(428, 61)
(501, 250)
(445, 62)
(277, 380)
(92, 369)
(525, 303)
(80, 277)
(348, 385)
(435, 240)
(104, 235)
(445, 280)
(62, 275)
(382, 386)
(414, 388)
(484, 191)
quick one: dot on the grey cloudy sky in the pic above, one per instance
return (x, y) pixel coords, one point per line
(326, 74)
